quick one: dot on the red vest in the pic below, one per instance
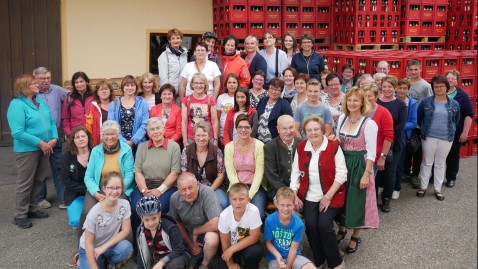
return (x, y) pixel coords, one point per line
(326, 170)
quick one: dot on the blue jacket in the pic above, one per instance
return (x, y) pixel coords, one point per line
(311, 66)
(29, 125)
(425, 116)
(141, 116)
(411, 119)
(96, 162)
(280, 108)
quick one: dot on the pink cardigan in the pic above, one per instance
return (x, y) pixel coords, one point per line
(172, 128)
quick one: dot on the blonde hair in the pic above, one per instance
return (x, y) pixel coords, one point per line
(366, 108)
(239, 187)
(284, 193)
(151, 78)
(202, 77)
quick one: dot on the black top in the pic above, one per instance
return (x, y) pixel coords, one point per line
(73, 175)
(399, 112)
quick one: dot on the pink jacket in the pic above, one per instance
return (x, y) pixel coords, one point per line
(73, 113)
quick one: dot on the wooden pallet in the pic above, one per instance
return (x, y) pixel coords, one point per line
(422, 39)
(365, 47)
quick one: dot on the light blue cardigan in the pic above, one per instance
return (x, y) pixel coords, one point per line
(30, 125)
(96, 162)
(141, 116)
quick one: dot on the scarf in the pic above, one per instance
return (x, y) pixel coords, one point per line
(113, 150)
(176, 52)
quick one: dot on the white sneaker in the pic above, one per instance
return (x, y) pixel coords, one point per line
(62, 206)
(44, 204)
(395, 195)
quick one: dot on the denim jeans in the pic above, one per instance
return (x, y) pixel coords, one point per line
(56, 173)
(222, 198)
(260, 201)
(118, 253)
(74, 211)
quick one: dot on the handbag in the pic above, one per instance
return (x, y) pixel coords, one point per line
(415, 141)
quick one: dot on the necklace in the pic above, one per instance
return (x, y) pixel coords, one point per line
(352, 121)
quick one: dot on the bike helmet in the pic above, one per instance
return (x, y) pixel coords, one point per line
(209, 35)
(148, 205)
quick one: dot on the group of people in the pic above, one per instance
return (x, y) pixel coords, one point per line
(189, 164)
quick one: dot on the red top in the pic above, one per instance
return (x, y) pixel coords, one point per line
(384, 121)
(172, 128)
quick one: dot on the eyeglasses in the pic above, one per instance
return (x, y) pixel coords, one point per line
(307, 42)
(111, 188)
(274, 89)
(258, 80)
(269, 37)
(44, 78)
(285, 129)
(245, 128)
(199, 83)
(154, 129)
(110, 135)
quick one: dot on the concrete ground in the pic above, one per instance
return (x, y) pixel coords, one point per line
(418, 233)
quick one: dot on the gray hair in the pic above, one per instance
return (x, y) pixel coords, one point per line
(385, 62)
(203, 126)
(40, 71)
(378, 75)
(364, 77)
(110, 125)
(154, 120)
(283, 118)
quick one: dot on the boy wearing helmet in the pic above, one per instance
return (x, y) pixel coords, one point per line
(160, 245)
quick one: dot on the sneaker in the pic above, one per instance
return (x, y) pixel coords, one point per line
(73, 260)
(395, 195)
(37, 215)
(62, 206)
(415, 182)
(22, 223)
(44, 204)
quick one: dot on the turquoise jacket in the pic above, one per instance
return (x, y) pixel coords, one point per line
(95, 165)
(29, 125)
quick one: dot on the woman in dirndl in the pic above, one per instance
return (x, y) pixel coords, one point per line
(357, 134)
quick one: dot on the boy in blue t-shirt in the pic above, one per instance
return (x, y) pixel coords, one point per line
(283, 233)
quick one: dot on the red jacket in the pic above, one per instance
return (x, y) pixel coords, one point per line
(326, 171)
(73, 112)
(172, 128)
(384, 121)
(229, 124)
(93, 121)
(235, 64)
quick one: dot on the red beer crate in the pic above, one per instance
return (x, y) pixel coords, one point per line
(256, 28)
(440, 12)
(307, 14)
(410, 28)
(256, 13)
(442, 2)
(324, 14)
(275, 27)
(307, 28)
(291, 27)
(426, 28)
(468, 84)
(450, 61)
(411, 11)
(323, 47)
(273, 2)
(235, 12)
(323, 2)
(440, 28)
(290, 13)
(273, 13)
(290, 2)
(238, 29)
(431, 65)
(427, 12)
(256, 2)
(468, 63)
(227, 2)
(323, 30)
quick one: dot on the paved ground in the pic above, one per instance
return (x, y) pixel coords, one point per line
(418, 233)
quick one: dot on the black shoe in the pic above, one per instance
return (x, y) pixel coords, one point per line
(450, 183)
(386, 206)
(22, 223)
(357, 242)
(415, 181)
(37, 215)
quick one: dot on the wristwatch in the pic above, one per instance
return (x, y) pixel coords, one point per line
(143, 190)
(383, 155)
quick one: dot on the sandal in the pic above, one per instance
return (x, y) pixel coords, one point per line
(357, 242)
(342, 235)
(439, 196)
(421, 193)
